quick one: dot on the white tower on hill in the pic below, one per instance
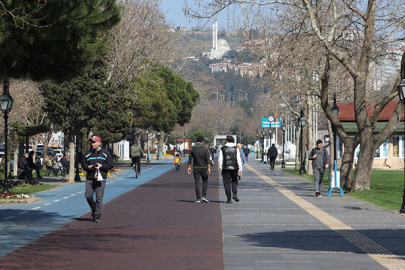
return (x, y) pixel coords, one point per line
(219, 46)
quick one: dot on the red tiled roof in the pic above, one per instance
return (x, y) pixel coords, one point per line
(346, 111)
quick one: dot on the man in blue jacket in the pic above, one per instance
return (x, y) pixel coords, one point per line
(96, 162)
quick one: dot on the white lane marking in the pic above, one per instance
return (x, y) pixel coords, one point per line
(47, 203)
(24, 212)
(8, 217)
(80, 192)
(57, 200)
(73, 195)
(35, 208)
(65, 197)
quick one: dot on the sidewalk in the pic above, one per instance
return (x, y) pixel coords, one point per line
(278, 224)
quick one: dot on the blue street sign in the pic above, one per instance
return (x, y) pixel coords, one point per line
(265, 123)
(276, 124)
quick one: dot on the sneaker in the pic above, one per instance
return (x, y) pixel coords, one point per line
(320, 195)
(235, 198)
(139, 173)
(197, 201)
(229, 201)
(317, 193)
(205, 200)
(97, 220)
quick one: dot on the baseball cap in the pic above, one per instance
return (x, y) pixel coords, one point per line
(95, 139)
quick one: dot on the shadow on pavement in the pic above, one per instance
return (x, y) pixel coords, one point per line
(330, 241)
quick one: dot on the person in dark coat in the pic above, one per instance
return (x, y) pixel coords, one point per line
(246, 151)
(272, 155)
(96, 162)
(199, 157)
(23, 165)
(64, 161)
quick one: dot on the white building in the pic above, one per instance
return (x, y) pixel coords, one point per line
(219, 46)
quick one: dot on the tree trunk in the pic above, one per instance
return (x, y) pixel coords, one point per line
(364, 166)
(297, 150)
(347, 164)
(310, 137)
(72, 160)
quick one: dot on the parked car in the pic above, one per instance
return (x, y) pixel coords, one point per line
(58, 153)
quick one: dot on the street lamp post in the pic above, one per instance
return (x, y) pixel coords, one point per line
(335, 110)
(283, 129)
(270, 135)
(302, 121)
(257, 138)
(147, 146)
(6, 103)
(184, 143)
(77, 174)
(401, 93)
(263, 137)
(157, 148)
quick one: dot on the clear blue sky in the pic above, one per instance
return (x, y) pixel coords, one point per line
(173, 11)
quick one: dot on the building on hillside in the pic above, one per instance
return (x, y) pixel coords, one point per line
(390, 155)
(245, 69)
(219, 46)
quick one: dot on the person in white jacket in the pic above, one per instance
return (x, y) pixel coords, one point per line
(230, 166)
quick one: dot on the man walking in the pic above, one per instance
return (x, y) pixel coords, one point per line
(272, 155)
(136, 154)
(230, 166)
(96, 162)
(200, 158)
(320, 161)
(246, 151)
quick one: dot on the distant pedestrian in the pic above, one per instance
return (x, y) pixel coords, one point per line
(320, 161)
(246, 151)
(200, 158)
(213, 152)
(136, 154)
(38, 165)
(242, 159)
(177, 161)
(96, 162)
(230, 166)
(272, 155)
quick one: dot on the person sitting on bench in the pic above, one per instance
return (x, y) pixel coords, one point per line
(24, 168)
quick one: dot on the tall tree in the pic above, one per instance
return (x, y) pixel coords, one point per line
(355, 34)
(53, 39)
(87, 103)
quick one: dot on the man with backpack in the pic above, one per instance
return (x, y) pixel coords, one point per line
(320, 161)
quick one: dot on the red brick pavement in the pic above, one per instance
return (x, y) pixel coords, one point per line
(155, 226)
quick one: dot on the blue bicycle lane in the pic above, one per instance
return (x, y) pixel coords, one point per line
(21, 224)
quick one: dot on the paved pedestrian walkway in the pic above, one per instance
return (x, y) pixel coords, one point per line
(278, 224)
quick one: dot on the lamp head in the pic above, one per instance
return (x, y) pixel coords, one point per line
(401, 91)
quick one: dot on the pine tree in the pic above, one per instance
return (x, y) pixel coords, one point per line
(53, 39)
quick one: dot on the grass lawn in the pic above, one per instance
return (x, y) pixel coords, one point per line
(29, 189)
(386, 188)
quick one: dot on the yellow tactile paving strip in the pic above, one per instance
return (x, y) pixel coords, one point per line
(372, 249)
